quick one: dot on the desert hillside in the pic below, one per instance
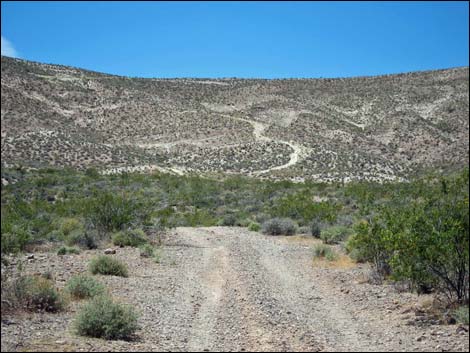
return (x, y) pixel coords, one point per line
(372, 128)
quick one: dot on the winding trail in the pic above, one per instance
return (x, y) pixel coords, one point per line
(298, 152)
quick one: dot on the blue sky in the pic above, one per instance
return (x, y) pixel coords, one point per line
(239, 39)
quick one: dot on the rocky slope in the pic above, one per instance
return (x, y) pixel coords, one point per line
(378, 128)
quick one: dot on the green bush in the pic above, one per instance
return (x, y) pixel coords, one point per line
(106, 265)
(279, 226)
(335, 234)
(316, 228)
(324, 251)
(37, 294)
(134, 237)
(462, 314)
(64, 250)
(254, 227)
(15, 240)
(83, 287)
(103, 318)
(229, 220)
(424, 239)
(147, 250)
(85, 239)
(112, 212)
(68, 225)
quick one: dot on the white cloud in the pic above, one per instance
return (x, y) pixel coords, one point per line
(7, 48)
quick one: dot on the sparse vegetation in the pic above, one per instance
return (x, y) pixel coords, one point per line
(103, 318)
(84, 287)
(106, 265)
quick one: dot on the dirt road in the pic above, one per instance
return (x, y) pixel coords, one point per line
(228, 289)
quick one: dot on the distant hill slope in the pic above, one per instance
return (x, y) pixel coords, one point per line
(378, 128)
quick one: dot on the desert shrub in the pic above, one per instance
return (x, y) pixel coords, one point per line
(103, 318)
(229, 220)
(83, 287)
(112, 212)
(39, 294)
(461, 314)
(92, 173)
(279, 226)
(147, 250)
(254, 227)
(106, 265)
(15, 240)
(422, 239)
(85, 239)
(335, 234)
(324, 251)
(316, 227)
(134, 237)
(299, 206)
(64, 250)
(69, 225)
(368, 243)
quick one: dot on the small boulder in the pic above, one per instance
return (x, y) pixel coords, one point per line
(109, 251)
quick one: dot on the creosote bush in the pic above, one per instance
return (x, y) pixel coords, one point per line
(279, 226)
(106, 265)
(103, 318)
(83, 287)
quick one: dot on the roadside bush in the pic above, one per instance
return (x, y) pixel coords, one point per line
(254, 227)
(64, 250)
(83, 287)
(134, 237)
(103, 318)
(334, 234)
(324, 251)
(279, 226)
(106, 265)
(424, 239)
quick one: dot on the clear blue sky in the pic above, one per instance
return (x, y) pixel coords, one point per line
(239, 39)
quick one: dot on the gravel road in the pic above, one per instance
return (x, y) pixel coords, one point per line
(228, 289)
